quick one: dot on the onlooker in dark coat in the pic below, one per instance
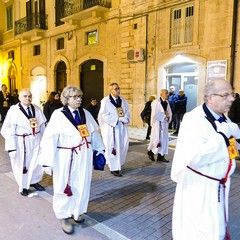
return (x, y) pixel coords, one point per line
(172, 97)
(93, 108)
(146, 115)
(181, 108)
(52, 104)
(15, 97)
(5, 100)
(234, 112)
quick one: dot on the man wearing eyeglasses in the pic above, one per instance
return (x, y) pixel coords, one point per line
(23, 129)
(203, 163)
(113, 118)
(67, 149)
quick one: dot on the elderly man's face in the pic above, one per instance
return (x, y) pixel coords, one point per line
(25, 98)
(115, 90)
(75, 99)
(164, 95)
(221, 100)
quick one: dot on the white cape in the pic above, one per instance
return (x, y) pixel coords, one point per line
(197, 214)
(17, 123)
(60, 133)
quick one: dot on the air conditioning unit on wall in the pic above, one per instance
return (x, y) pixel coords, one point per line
(135, 55)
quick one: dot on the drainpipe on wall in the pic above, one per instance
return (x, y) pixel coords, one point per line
(146, 61)
(233, 43)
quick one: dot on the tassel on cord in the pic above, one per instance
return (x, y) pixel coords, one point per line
(68, 191)
(25, 170)
(114, 152)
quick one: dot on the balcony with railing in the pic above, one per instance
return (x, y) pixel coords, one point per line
(77, 10)
(35, 21)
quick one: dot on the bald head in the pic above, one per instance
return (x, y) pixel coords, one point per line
(25, 97)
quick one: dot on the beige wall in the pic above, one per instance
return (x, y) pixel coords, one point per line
(211, 41)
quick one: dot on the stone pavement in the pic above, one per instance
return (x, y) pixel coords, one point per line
(137, 206)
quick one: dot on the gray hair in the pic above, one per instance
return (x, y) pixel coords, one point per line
(211, 88)
(69, 90)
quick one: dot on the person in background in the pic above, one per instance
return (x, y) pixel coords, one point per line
(234, 112)
(146, 115)
(93, 108)
(67, 148)
(23, 129)
(171, 99)
(5, 101)
(180, 108)
(160, 118)
(113, 118)
(52, 104)
(203, 163)
(15, 97)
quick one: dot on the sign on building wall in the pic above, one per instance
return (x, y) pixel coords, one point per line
(217, 70)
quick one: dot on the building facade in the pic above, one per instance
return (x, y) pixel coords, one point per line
(144, 45)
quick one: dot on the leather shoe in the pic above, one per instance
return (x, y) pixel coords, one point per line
(162, 158)
(116, 173)
(67, 227)
(80, 219)
(24, 192)
(38, 187)
(151, 155)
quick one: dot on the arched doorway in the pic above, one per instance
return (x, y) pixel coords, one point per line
(91, 80)
(61, 76)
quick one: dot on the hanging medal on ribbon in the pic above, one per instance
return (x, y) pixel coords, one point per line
(33, 124)
(83, 130)
(120, 112)
(232, 148)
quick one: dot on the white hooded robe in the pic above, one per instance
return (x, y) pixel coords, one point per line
(114, 133)
(60, 134)
(16, 123)
(197, 214)
(159, 132)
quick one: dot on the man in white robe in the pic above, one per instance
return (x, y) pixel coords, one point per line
(113, 118)
(67, 148)
(202, 167)
(160, 119)
(23, 133)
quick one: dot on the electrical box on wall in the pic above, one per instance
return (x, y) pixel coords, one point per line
(135, 55)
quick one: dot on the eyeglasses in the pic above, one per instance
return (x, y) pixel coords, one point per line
(225, 95)
(75, 97)
(116, 89)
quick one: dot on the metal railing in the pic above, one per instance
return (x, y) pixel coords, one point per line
(75, 6)
(33, 21)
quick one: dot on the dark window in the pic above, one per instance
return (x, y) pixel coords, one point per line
(59, 12)
(9, 18)
(60, 43)
(11, 55)
(36, 50)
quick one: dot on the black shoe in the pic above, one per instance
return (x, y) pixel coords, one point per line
(24, 192)
(38, 187)
(147, 138)
(116, 173)
(151, 155)
(175, 133)
(162, 158)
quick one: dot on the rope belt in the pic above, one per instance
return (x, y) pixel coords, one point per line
(25, 150)
(221, 182)
(68, 190)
